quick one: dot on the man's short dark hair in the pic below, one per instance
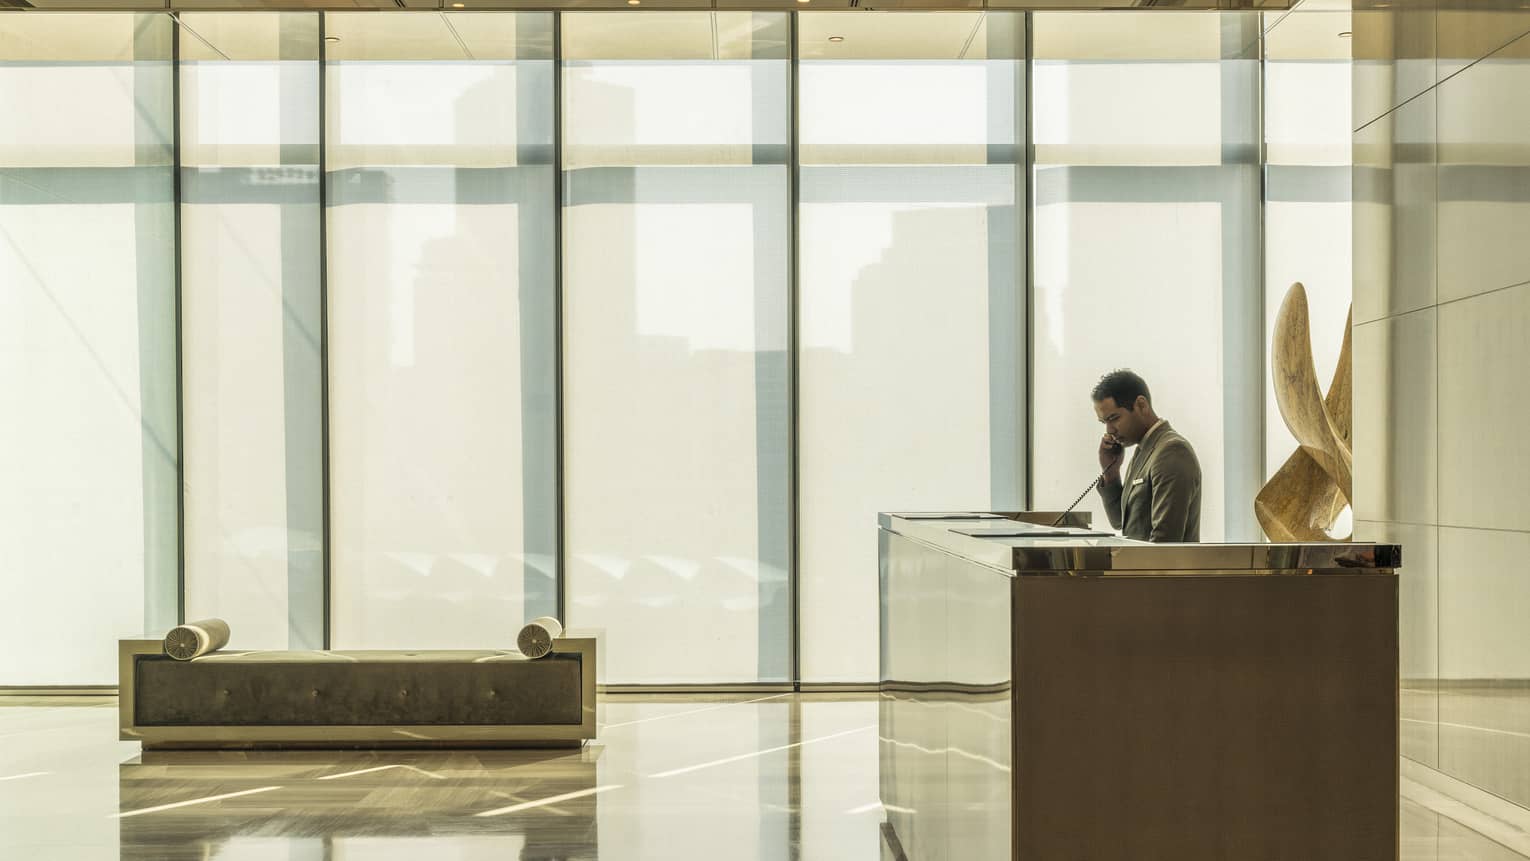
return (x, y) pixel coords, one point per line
(1123, 386)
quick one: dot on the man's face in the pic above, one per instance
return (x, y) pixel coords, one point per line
(1126, 425)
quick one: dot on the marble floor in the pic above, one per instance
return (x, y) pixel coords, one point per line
(699, 777)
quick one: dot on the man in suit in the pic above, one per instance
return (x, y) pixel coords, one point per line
(1160, 497)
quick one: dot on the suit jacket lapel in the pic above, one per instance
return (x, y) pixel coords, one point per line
(1126, 485)
(1138, 464)
(1146, 447)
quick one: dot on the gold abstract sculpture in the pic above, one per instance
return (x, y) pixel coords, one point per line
(1304, 499)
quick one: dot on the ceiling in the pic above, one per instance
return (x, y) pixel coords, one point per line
(641, 5)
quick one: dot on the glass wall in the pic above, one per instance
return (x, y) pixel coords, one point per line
(442, 327)
(675, 271)
(912, 297)
(1147, 245)
(250, 325)
(472, 302)
(88, 449)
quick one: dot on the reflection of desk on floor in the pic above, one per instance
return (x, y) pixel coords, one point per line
(1092, 697)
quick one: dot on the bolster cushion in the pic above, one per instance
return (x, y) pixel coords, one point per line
(195, 639)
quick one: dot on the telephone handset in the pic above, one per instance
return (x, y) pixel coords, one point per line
(1120, 453)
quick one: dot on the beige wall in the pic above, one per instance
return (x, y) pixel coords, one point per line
(1442, 348)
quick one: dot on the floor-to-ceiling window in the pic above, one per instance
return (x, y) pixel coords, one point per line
(912, 273)
(250, 325)
(88, 448)
(675, 266)
(441, 261)
(1147, 244)
(734, 185)
(1307, 190)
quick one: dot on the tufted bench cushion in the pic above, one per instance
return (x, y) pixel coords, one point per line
(298, 698)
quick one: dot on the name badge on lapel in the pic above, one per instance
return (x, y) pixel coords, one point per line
(1138, 481)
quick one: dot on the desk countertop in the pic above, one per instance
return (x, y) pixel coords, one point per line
(1029, 549)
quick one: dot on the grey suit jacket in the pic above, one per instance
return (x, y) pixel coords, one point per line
(1159, 498)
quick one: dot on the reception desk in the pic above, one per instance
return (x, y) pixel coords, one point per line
(1053, 693)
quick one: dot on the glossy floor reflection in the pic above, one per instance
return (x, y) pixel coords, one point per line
(1484, 735)
(773, 777)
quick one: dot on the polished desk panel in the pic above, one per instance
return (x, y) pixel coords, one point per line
(1085, 696)
(946, 704)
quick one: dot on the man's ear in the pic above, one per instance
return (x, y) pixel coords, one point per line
(1140, 402)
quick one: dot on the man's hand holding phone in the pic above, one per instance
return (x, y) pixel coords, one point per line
(1111, 455)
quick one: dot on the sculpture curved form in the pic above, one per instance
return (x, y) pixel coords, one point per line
(1305, 497)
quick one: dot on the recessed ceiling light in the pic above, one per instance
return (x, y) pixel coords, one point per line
(459, 5)
(836, 38)
(1345, 35)
(331, 38)
(634, 2)
(804, 1)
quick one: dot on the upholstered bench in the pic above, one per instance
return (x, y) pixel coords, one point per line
(357, 699)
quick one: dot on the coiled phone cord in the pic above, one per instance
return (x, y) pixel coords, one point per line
(1092, 485)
